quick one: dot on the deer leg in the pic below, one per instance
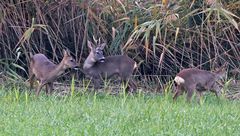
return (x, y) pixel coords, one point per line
(50, 85)
(125, 83)
(190, 91)
(189, 95)
(133, 85)
(199, 95)
(177, 92)
(39, 88)
(216, 89)
(130, 85)
(96, 83)
(46, 89)
(31, 80)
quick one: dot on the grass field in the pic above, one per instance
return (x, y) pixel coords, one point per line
(102, 114)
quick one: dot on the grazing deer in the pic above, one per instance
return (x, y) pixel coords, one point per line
(193, 79)
(96, 66)
(46, 71)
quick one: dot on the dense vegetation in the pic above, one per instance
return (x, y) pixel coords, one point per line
(163, 37)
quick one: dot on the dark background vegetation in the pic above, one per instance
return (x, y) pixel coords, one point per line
(162, 36)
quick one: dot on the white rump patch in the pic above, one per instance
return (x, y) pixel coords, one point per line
(179, 80)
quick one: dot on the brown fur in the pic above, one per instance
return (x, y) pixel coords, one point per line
(120, 65)
(46, 71)
(198, 80)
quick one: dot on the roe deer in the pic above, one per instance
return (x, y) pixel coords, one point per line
(96, 66)
(46, 71)
(193, 79)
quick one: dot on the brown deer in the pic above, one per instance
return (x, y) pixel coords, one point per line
(96, 66)
(193, 79)
(46, 71)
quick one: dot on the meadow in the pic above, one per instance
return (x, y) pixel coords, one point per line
(123, 114)
(163, 37)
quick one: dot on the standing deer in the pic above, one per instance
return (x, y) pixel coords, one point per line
(193, 79)
(96, 66)
(46, 71)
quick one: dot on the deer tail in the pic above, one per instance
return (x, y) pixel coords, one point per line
(179, 80)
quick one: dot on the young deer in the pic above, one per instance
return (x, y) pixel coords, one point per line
(46, 71)
(96, 66)
(193, 79)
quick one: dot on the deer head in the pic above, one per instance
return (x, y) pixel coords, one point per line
(68, 61)
(96, 53)
(221, 72)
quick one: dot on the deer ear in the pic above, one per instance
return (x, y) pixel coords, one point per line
(225, 64)
(223, 68)
(68, 52)
(64, 52)
(102, 45)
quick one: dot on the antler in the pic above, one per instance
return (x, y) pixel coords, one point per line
(99, 41)
(95, 40)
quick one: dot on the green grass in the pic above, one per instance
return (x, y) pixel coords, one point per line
(102, 114)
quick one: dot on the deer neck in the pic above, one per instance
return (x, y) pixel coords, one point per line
(89, 62)
(57, 71)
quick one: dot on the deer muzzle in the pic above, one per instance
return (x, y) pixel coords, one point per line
(102, 59)
(76, 67)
